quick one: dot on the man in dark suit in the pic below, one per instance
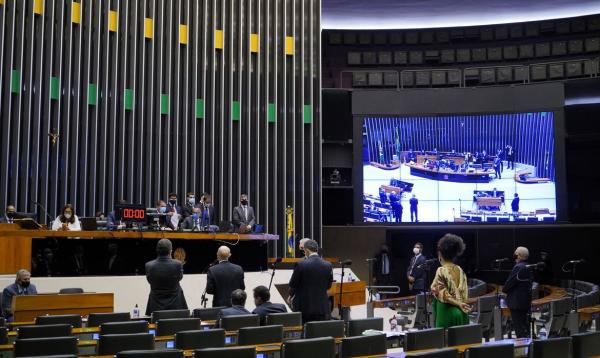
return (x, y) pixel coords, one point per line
(414, 209)
(190, 203)
(243, 216)
(414, 273)
(238, 300)
(264, 306)
(192, 222)
(510, 157)
(174, 212)
(164, 275)
(9, 215)
(224, 278)
(518, 293)
(208, 212)
(514, 205)
(21, 287)
(310, 281)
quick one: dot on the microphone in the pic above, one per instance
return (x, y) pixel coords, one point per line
(580, 261)
(504, 259)
(371, 259)
(537, 265)
(347, 262)
(428, 262)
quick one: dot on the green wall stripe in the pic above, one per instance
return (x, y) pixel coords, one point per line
(235, 110)
(54, 88)
(164, 104)
(15, 81)
(92, 94)
(272, 113)
(199, 108)
(128, 99)
(308, 114)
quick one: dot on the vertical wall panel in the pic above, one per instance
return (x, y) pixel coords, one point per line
(148, 97)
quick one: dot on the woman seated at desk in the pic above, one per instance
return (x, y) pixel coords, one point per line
(67, 221)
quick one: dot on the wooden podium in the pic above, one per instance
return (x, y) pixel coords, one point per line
(353, 293)
(15, 251)
(27, 308)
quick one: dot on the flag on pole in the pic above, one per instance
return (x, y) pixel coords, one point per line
(291, 245)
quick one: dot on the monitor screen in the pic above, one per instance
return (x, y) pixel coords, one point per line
(459, 168)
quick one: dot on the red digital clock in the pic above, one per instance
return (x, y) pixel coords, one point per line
(130, 212)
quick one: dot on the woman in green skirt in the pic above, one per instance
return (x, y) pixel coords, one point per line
(449, 287)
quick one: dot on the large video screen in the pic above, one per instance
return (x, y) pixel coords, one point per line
(459, 168)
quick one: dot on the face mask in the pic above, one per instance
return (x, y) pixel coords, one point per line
(25, 284)
(163, 209)
(68, 216)
(192, 201)
(10, 215)
(173, 201)
(416, 251)
(244, 202)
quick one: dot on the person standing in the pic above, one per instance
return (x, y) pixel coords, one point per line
(449, 287)
(243, 216)
(518, 293)
(21, 287)
(263, 304)
(163, 275)
(396, 206)
(510, 157)
(224, 278)
(514, 205)
(414, 208)
(415, 273)
(190, 203)
(309, 283)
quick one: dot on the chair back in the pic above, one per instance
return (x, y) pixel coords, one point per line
(170, 326)
(440, 353)
(207, 314)
(127, 327)
(45, 346)
(114, 343)
(288, 319)
(2, 319)
(491, 351)
(424, 339)
(314, 347)
(70, 290)
(586, 344)
(318, 329)
(213, 338)
(363, 346)
(158, 353)
(357, 326)
(165, 314)
(96, 319)
(229, 352)
(233, 323)
(47, 330)
(3, 335)
(72, 319)
(467, 334)
(552, 348)
(260, 335)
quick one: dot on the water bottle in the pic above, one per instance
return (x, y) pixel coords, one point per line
(350, 278)
(542, 333)
(136, 312)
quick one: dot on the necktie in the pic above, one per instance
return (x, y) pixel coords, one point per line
(245, 214)
(385, 264)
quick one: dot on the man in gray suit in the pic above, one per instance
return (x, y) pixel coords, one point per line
(164, 275)
(243, 216)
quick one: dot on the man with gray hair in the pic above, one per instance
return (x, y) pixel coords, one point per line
(310, 281)
(301, 245)
(21, 287)
(518, 293)
(164, 274)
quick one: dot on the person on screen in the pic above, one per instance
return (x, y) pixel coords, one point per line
(411, 157)
(500, 154)
(497, 168)
(510, 156)
(67, 221)
(382, 195)
(414, 209)
(396, 206)
(515, 204)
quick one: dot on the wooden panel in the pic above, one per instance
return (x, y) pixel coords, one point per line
(15, 251)
(353, 293)
(28, 307)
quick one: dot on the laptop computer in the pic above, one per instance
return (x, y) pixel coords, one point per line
(88, 224)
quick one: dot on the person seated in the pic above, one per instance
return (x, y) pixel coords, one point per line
(67, 221)
(21, 287)
(193, 221)
(9, 215)
(264, 306)
(238, 301)
(111, 221)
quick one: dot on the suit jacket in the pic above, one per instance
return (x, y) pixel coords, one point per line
(212, 216)
(417, 272)
(187, 209)
(8, 293)
(239, 219)
(230, 311)
(188, 223)
(164, 275)
(518, 288)
(266, 308)
(111, 221)
(221, 280)
(310, 281)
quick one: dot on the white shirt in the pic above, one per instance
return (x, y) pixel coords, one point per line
(75, 226)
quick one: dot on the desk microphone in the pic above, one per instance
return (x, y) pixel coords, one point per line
(371, 259)
(346, 262)
(537, 265)
(580, 261)
(504, 259)
(428, 262)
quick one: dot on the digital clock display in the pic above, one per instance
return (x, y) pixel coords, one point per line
(130, 212)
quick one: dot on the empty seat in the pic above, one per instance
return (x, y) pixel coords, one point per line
(124, 327)
(170, 326)
(230, 352)
(64, 291)
(440, 353)
(260, 335)
(363, 346)
(357, 326)
(289, 319)
(165, 314)
(3, 335)
(233, 323)
(468, 334)
(45, 346)
(158, 353)
(72, 319)
(586, 344)
(315, 347)
(213, 338)
(207, 314)
(484, 314)
(49, 330)
(115, 343)
(424, 339)
(491, 351)
(551, 348)
(332, 328)
(96, 319)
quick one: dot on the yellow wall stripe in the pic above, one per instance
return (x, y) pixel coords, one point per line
(38, 6)
(113, 21)
(76, 12)
(183, 34)
(219, 39)
(254, 43)
(148, 28)
(289, 45)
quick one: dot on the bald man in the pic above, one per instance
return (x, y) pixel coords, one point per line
(223, 278)
(518, 293)
(22, 286)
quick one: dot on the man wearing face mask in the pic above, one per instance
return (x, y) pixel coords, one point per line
(209, 216)
(9, 215)
(190, 204)
(174, 212)
(22, 286)
(518, 293)
(193, 222)
(414, 273)
(243, 216)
